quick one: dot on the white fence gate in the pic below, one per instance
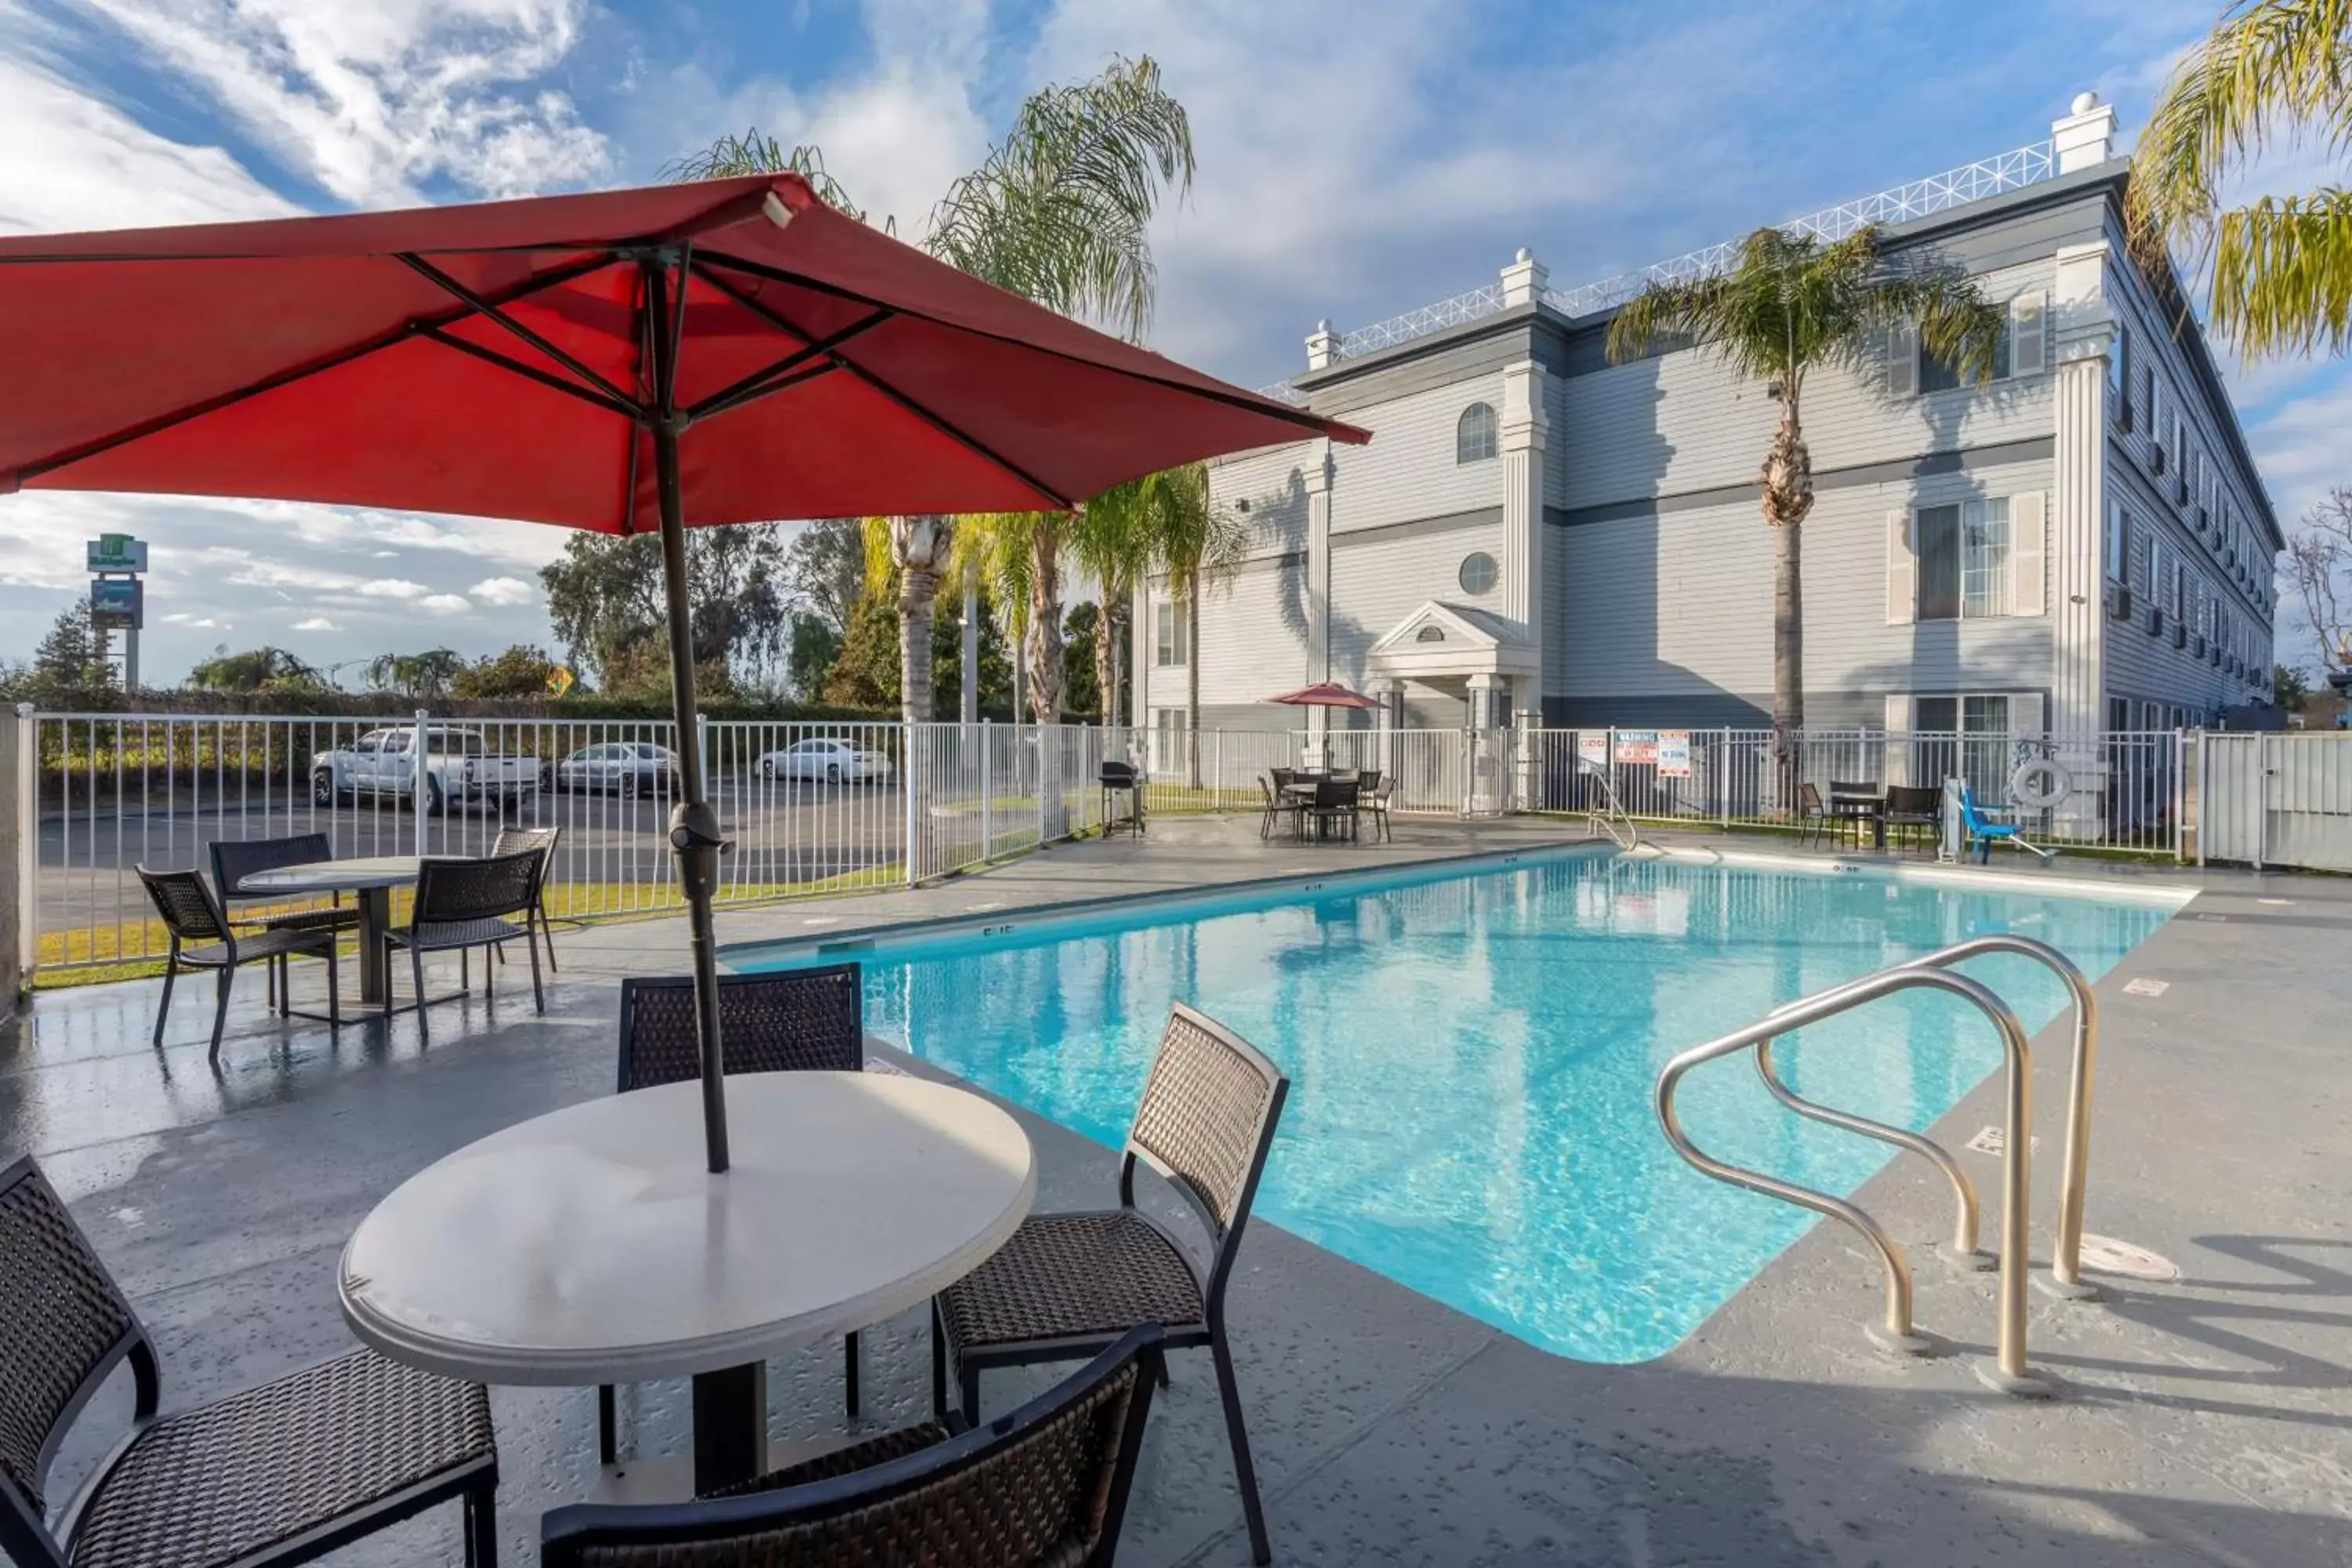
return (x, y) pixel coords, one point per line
(2271, 800)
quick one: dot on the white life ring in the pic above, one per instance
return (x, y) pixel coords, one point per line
(2040, 783)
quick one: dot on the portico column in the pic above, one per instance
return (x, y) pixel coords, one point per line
(1319, 476)
(1524, 428)
(2078, 520)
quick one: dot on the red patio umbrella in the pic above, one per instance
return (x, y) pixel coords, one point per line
(625, 360)
(1327, 694)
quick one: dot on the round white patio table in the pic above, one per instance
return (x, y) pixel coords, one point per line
(594, 1246)
(372, 877)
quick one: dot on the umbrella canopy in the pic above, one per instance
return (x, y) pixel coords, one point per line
(1328, 694)
(624, 360)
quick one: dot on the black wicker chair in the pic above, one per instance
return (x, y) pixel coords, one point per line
(1068, 1284)
(464, 904)
(1046, 1485)
(514, 841)
(1373, 790)
(235, 860)
(794, 1020)
(192, 916)
(282, 1473)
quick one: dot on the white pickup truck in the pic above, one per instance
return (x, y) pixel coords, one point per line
(459, 767)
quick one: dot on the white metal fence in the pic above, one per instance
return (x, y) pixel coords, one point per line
(2116, 791)
(815, 808)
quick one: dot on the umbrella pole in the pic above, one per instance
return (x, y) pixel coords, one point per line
(693, 825)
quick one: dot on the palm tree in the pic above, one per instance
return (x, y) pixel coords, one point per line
(1114, 540)
(1060, 212)
(2272, 72)
(1196, 541)
(1789, 304)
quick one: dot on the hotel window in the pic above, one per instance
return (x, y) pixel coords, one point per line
(2119, 363)
(1968, 565)
(1171, 635)
(2118, 543)
(1473, 434)
(2020, 350)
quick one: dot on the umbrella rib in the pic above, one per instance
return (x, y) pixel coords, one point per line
(491, 311)
(754, 384)
(1243, 400)
(272, 381)
(533, 372)
(912, 404)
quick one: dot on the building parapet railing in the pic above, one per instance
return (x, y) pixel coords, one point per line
(1923, 198)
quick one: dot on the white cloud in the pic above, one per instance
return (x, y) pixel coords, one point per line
(317, 624)
(444, 603)
(374, 102)
(392, 588)
(504, 591)
(183, 619)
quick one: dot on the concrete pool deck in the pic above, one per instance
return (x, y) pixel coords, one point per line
(2208, 1419)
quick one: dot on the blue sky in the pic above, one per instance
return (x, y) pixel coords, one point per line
(1356, 159)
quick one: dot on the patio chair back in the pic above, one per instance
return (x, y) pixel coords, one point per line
(64, 1327)
(186, 906)
(1335, 795)
(1369, 781)
(1282, 777)
(1808, 801)
(1912, 802)
(1046, 1485)
(1205, 1122)
(794, 1020)
(519, 840)
(455, 892)
(235, 860)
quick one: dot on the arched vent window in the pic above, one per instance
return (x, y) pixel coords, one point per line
(1430, 634)
(1474, 437)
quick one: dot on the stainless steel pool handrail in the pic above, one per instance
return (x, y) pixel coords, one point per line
(1606, 816)
(2074, 1175)
(2009, 1371)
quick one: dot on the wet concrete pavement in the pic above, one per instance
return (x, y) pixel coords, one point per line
(2204, 1420)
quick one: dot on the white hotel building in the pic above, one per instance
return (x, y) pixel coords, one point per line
(1538, 536)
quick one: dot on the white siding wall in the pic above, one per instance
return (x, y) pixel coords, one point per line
(1680, 604)
(1686, 421)
(1379, 579)
(1407, 470)
(1253, 644)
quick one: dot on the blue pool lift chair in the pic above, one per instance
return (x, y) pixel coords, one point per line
(1982, 831)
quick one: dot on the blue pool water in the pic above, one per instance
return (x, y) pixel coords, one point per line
(1471, 1060)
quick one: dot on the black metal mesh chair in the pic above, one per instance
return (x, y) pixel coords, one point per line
(1372, 792)
(464, 904)
(282, 1473)
(235, 860)
(1046, 1485)
(795, 1020)
(515, 841)
(201, 938)
(1068, 1284)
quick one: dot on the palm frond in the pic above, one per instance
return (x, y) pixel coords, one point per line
(2282, 274)
(2273, 70)
(756, 153)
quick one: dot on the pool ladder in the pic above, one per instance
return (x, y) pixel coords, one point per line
(1607, 814)
(2009, 1372)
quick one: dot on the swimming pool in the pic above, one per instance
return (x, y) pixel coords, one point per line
(1472, 1055)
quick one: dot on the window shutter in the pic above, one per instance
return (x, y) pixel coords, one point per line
(1899, 722)
(1902, 570)
(2029, 319)
(2025, 713)
(1902, 363)
(2028, 553)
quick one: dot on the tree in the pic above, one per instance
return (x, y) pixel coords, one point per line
(815, 646)
(524, 670)
(257, 669)
(606, 601)
(2319, 563)
(425, 675)
(2289, 687)
(2274, 72)
(824, 571)
(1197, 541)
(1059, 212)
(864, 674)
(1789, 304)
(66, 670)
(1114, 540)
(1081, 660)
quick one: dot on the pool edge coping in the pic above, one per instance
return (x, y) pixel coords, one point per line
(2172, 896)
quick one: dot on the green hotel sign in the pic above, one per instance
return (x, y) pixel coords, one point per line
(118, 552)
